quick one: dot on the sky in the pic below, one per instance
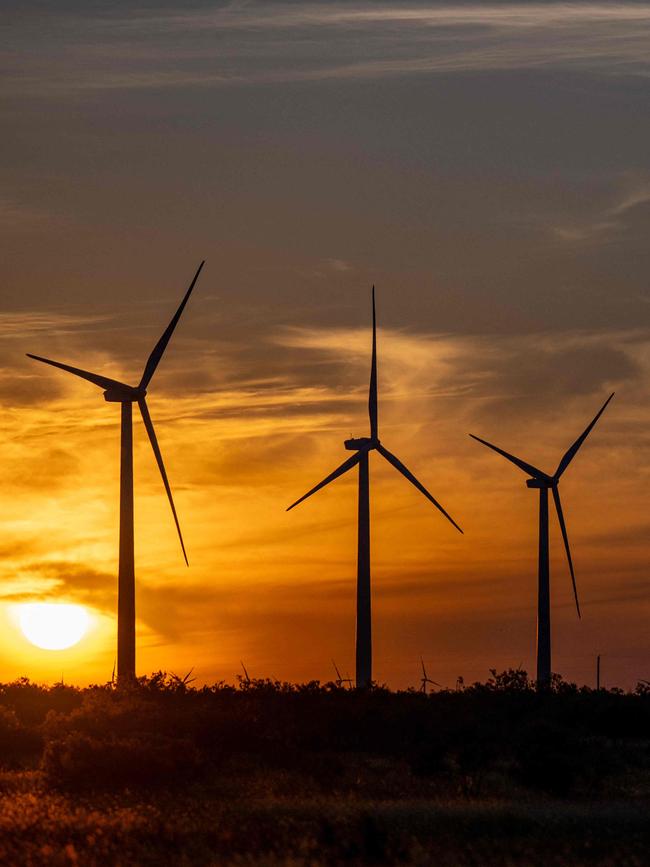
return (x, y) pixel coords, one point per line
(486, 167)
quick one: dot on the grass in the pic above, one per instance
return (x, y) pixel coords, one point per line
(200, 827)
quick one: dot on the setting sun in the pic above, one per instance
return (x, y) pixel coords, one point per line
(53, 626)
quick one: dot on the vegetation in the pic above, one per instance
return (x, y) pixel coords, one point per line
(269, 773)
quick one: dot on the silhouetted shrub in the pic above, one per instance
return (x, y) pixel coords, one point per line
(558, 741)
(547, 757)
(18, 744)
(32, 702)
(79, 761)
(557, 759)
(511, 680)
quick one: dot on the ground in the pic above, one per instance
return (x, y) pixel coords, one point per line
(269, 774)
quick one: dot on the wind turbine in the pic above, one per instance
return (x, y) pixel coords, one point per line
(424, 680)
(127, 395)
(544, 483)
(362, 447)
(340, 680)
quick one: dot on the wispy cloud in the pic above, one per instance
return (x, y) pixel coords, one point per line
(25, 323)
(277, 42)
(338, 265)
(631, 193)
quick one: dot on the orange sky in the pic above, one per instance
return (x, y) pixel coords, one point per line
(277, 589)
(487, 168)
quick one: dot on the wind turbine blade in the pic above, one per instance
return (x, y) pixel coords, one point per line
(409, 475)
(560, 517)
(146, 418)
(159, 348)
(424, 673)
(372, 397)
(345, 466)
(527, 468)
(570, 454)
(102, 381)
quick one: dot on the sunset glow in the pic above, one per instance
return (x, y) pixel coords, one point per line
(53, 626)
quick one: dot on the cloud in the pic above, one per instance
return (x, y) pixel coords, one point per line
(630, 197)
(63, 580)
(26, 323)
(505, 373)
(338, 265)
(639, 194)
(278, 43)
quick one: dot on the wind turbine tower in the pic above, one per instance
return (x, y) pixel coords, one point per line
(340, 680)
(126, 396)
(425, 679)
(362, 446)
(544, 483)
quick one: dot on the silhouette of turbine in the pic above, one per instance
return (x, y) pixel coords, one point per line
(340, 680)
(424, 680)
(544, 482)
(127, 395)
(362, 447)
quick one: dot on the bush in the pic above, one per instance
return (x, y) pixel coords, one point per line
(79, 761)
(18, 744)
(557, 759)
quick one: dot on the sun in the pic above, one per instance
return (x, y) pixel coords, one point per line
(53, 625)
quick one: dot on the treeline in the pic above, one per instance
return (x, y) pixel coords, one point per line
(484, 739)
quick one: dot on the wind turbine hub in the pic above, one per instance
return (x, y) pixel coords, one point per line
(124, 394)
(539, 483)
(356, 444)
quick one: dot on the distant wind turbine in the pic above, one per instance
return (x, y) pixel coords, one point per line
(127, 395)
(362, 448)
(340, 680)
(425, 679)
(544, 483)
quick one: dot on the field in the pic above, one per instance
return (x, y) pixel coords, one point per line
(273, 774)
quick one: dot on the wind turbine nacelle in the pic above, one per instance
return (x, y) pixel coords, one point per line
(124, 394)
(539, 483)
(358, 443)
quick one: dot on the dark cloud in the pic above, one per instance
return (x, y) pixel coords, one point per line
(535, 378)
(19, 389)
(84, 583)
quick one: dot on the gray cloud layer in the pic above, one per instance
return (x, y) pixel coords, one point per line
(254, 43)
